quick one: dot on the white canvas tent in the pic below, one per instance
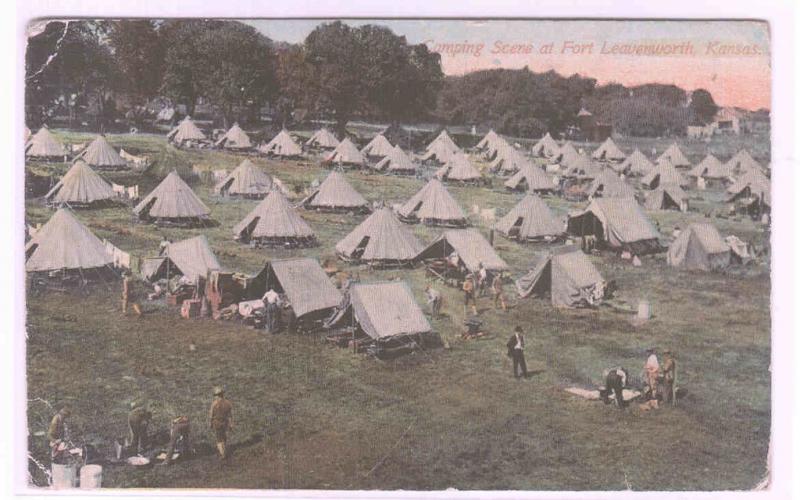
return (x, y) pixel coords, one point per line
(617, 223)
(186, 133)
(433, 205)
(547, 147)
(282, 145)
(664, 173)
(248, 181)
(235, 138)
(636, 164)
(64, 244)
(44, 145)
(471, 247)
(397, 162)
(80, 186)
(608, 151)
(346, 153)
(100, 154)
(458, 169)
(531, 178)
(380, 240)
(530, 220)
(274, 222)
(323, 139)
(699, 247)
(675, 156)
(192, 258)
(609, 185)
(379, 146)
(667, 197)
(336, 194)
(567, 275)
(172, 201)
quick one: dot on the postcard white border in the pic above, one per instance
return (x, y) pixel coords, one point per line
(783, 19)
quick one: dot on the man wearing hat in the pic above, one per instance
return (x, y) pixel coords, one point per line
(221, 416)
(138, 420)
(516, 347)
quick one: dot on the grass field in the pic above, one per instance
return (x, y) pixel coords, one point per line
(313, 416)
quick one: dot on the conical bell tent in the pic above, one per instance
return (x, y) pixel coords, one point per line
(100, 154)
(282, 145)
(246, 181)
(64, 244)
(323, 139)
(336, 194)
(235, 139)
(379, 146)
(380, 240)
(459, 169)
(346, 153)
(173, 202)
(397, 162)
(186, 133)
(433, 205)
(274, 223)
(43, 145)
(81, 187)
(530, 220)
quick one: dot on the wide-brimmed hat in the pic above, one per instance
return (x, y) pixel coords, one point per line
(218, 391)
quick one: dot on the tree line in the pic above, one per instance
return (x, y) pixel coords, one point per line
(339, 72)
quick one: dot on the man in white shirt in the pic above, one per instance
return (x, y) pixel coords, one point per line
(651, 370)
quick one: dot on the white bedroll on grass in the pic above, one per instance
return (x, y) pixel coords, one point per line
(594, 395)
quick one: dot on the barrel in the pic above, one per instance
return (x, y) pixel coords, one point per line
(63, 476)
(644, 310)
(91, 477)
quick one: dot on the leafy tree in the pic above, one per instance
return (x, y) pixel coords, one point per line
(368, 70)
(68, 66)
(139, 49)
(702, 107)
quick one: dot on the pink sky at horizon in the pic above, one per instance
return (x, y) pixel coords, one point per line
(733, 80)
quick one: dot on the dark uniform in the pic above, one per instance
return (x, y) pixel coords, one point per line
(516, 346)
(221, 416)
(615, 379)
(179, 430)
(138, 420)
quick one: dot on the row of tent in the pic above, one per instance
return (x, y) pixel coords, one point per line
(565, 274)
(99, 153)
(385, 310)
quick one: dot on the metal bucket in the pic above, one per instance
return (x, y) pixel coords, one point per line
(91, 477)
(64, 476)
(644, 310)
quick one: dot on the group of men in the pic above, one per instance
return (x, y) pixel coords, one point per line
(140, 418)
(658, 378)
(473, 286)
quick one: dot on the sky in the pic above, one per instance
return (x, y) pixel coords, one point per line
(730, 59)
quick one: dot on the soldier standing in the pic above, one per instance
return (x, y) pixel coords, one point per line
(127, 296)
(221, 416)
(138, 420)
(57, 432)
(668, 368)
(497, 291)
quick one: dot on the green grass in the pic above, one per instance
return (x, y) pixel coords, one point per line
(312, 416)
